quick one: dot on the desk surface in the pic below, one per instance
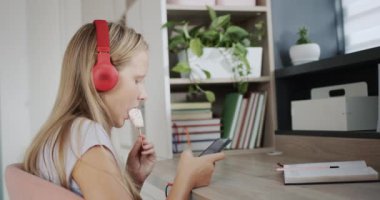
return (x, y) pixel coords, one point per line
(253, 176)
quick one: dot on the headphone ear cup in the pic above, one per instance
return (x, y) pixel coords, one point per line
(105, 76)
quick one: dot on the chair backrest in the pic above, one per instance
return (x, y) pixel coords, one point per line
(24, 186)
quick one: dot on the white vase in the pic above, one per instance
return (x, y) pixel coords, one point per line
(304, 53)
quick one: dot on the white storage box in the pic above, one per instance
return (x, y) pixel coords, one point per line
(346, 113)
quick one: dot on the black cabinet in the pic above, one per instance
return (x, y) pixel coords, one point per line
(295, 83)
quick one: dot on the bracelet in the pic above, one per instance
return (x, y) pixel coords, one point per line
(166, 188)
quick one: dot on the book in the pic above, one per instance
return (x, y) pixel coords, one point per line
(245, 134)
(197, 122)
(261, 123)
(239, 124)
(178, 97)
(329, 172)
(194, 137)
(195, 129)
(255, 128)
(195, 146)
(230, 113)
(190, 105)
(191, 114)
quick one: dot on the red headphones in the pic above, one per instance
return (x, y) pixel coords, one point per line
(104, 74)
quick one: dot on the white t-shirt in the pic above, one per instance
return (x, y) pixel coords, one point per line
(84, 134)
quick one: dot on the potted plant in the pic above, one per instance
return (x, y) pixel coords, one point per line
(304, 51)
(219, 50)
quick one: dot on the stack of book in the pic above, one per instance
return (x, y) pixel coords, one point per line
(193, 123)
(243, 119)
(191, 110)
(199, 133)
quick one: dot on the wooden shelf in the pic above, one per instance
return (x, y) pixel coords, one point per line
(356, 59)
(185, 81)
(170, 8)
(345, 134)
(199, 14)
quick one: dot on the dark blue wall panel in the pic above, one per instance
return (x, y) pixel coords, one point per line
(318, 15)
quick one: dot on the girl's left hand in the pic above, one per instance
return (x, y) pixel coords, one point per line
(141, 160)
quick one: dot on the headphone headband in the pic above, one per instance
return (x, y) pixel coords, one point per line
(102, 37)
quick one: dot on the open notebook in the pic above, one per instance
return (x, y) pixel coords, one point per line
(329, 172)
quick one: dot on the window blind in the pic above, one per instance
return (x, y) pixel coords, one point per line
(361, 22)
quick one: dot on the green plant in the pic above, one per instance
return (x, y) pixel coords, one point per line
(258, 33)
(303, 36)
(219, 33)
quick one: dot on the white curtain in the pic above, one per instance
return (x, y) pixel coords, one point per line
(361, 24)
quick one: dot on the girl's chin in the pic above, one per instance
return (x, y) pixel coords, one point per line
(120, 124)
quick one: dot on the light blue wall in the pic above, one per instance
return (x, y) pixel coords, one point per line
(318, 15)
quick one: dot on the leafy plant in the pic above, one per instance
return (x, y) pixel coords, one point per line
(258, 33)
(219, 33)
(303, 36)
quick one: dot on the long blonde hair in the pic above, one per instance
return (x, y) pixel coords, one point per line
(78, 97)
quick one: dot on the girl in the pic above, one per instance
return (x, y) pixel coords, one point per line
(73, 148)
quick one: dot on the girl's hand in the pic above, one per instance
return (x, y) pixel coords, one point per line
(193, 172)
(141, 160)
(200, 169)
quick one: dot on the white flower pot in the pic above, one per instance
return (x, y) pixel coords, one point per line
(304, 53)
(220, 62)
(192, 2)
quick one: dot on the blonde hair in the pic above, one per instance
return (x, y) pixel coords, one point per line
(77, 95)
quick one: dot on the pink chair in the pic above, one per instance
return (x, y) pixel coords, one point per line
(24, 186)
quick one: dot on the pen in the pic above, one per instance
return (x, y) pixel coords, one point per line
(281, 167)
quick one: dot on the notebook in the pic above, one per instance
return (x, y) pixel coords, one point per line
(329, 172)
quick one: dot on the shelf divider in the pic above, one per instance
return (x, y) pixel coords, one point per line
(343, 134)
(185, 81)
(338, 62)
(171, 7)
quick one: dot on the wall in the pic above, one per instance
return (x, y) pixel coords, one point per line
(14, 79)
(33, 37)
(319, 16)
(44, 58)
(148, 16)
(1, 157)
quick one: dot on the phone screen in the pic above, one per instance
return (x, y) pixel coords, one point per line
(215, 147)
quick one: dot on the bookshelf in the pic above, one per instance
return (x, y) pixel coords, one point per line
(294, 83)
(148, 16)
(246, 17)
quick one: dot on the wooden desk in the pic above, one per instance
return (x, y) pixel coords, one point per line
(253, 176)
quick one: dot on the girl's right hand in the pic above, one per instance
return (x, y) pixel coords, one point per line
(197, 169)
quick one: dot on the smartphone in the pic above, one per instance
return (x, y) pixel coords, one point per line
(217, 146)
